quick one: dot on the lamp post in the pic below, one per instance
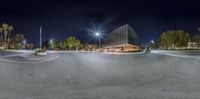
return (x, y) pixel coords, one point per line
(152, 44)
(99, 37)
(51, 43)
(24, 42)
(97, 33)
(152, 41)
(40, 37)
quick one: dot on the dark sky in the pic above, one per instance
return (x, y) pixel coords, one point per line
(61, 19)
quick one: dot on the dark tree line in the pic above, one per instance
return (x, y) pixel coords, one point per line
(174, 39)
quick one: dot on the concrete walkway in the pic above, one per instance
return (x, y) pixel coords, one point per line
(179, 53)
(29, 57)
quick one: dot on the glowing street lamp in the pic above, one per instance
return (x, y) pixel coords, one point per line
(152, 41)
(98, 34)
(51, 43)
(24, 42)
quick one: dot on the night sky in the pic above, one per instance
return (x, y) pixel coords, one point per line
(61, 19)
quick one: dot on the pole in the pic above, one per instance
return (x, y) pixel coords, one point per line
(99, 43)
(40, 36)
(24, 44)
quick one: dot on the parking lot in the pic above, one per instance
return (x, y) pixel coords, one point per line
(76, 75)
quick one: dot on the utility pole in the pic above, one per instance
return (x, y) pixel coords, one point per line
(99, 42)
(41, 37)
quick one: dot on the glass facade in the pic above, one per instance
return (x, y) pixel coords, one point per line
(121, 38)
(122, 35)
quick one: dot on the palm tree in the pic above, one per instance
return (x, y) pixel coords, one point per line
(10, 29)
(6, 30)
(1, 31)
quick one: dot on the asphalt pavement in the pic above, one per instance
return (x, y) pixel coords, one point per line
(102, 76)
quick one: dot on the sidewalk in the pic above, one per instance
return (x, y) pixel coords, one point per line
(116, 53)
(179, 53)
(30, 58)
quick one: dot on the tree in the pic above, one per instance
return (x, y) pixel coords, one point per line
(6, 30)
(174, 38)
(10, 28)
(1, 31)
(45, 44)
(12, 44)
(18, 40)
(71, 42)
(181, 38)
(56, 44)
(167, 39)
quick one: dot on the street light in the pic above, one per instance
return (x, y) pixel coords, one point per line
(51, 42)
(98, 34)
(152, 44)
(24, 42)
(152, 41)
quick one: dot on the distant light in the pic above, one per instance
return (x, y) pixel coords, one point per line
(97, 33)
(152, 41)
(51, 41)
(24, 41)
